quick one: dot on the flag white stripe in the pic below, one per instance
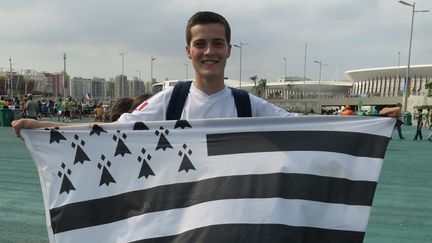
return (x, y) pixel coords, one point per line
(302, 162)
(368, 125)
(253, 211)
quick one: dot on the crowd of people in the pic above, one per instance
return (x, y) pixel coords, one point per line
(66, 109)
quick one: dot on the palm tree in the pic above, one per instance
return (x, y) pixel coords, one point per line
(254, 79)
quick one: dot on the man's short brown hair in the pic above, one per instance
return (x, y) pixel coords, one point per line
(207, 17)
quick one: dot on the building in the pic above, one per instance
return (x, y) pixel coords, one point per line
(121, 86)
(386, 85)
(80, 87)
(136, 87)
(98, 88)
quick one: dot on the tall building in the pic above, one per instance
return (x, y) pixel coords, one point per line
(80, 87)
(136, 88)
(53, 84)
(109, 89)
(121, 86)
(98, 88)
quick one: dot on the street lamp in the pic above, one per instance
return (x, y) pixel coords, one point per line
(187, 71)
(319, 86)
(151, 69)
(407, 77)
(121, 80)
(10, 78)
(285, 69)
(304, 71)
(241, 48)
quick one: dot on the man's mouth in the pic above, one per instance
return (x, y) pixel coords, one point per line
(209, 62)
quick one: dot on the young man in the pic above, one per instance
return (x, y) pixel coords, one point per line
(208, 37)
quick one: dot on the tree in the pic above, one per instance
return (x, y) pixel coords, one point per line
(429, 87)
(254, 79)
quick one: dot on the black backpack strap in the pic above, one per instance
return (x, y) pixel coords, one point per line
(177, 100)
(242, 102)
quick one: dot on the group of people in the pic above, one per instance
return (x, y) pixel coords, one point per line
(423, 119)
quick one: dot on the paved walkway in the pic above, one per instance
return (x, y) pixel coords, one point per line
(402, 209)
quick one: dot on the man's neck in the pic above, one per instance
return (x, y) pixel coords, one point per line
(209, 86)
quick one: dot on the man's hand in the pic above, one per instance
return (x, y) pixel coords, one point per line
(17, 125)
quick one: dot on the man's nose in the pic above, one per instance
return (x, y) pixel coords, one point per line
(209, 49)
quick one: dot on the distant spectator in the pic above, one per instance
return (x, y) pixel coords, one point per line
(396, 113)
(119, 107)
(30, 108)
(98, 113)
(419, 125)
(347, 111)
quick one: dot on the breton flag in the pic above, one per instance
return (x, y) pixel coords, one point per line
(293, 179)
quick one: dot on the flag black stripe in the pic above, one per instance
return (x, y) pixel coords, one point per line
(277, 185)
(356, 144)
(259, 233)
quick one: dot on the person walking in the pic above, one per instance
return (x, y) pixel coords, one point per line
(419, 125)
(394, 112)
(31, 108)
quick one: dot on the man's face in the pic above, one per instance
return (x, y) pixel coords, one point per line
(208, 50)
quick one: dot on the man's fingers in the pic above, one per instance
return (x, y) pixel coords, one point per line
(16, 126)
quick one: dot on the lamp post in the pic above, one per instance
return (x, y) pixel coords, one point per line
(319, 86)
(187, 71)
(133, 84)
(10, 78)
(122, 75)
(241, 50)
(407, 77)
(304, 70)
(285, 69)
(151, 69)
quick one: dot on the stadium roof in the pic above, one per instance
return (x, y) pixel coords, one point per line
(370, 73)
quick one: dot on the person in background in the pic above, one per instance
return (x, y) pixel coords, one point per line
(31, 108)
(347, 111)
(396, 113)
(119, 107)
(59, 109)
(427, 118)
(99, 112)
(419, 125)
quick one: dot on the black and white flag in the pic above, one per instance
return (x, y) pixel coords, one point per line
(295, 179)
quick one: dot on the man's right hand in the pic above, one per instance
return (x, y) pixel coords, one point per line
(17, 125)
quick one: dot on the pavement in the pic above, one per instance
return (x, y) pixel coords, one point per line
(401, 211)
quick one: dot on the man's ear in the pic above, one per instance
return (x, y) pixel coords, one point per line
(188, 52)
(229, 50)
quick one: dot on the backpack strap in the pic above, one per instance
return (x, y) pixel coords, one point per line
(180, 94)
(242, 102)
(177, 100)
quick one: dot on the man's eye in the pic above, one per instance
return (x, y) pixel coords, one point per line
(199, 44)
(219, 44)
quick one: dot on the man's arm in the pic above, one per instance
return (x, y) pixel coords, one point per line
(391, 112)
(17, 125)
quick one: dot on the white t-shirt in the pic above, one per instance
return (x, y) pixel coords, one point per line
(199, 105)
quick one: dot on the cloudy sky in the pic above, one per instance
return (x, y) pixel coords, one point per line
(345, 34)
